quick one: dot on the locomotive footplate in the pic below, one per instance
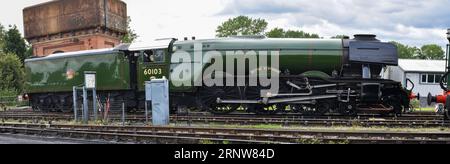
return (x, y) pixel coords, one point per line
(376, 108)
(277, 100)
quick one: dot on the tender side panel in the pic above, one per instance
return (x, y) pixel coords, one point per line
(60, 75)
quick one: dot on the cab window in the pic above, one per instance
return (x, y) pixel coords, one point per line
(149, 57)
(154, 56)
(159, 55)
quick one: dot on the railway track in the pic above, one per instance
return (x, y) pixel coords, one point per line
(411, 116)
(405, 117)
(240, 120)
(141, 134)
(427, 120)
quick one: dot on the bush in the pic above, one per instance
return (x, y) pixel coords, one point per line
(415, 104)
(11, 73)
(8, 93)
(8, 97)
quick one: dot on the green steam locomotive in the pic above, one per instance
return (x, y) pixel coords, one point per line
(250, 74)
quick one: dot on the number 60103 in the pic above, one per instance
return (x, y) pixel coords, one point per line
(155, 71)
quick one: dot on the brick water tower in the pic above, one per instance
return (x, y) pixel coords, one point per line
(74, 25)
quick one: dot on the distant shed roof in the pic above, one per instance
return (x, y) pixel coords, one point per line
(413, 65)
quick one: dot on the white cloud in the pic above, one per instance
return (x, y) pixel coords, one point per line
(175, 18)
(413, 22)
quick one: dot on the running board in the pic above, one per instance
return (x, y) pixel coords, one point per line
(276, 101)
(379, 108)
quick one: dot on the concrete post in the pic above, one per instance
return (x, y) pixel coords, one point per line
(85, 106)
(94, 102)
(75, 110)
(123, 113)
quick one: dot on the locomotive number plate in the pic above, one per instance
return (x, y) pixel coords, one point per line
(154, 71)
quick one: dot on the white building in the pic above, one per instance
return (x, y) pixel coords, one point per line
(425, 74)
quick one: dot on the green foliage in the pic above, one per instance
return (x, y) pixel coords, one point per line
(241, 25)
(315, 141)
(13, 51)
(340, 37)
(309, 141)
(299, 34)
(29, 51)
(2, 34)
(427, 52)
(11, 72)
(415, 104)
(8, 98)
(206, 142)
(432, 52)
(8, 93)
(276, 33)
(281, 33)
(131, 35)
(14, 43)
(405, 52)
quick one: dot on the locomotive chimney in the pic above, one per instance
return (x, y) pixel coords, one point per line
(366, 37)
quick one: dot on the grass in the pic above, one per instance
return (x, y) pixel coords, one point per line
(314, 141)
(12, 105)
(281, 127)
(260, 126)
(325, 128)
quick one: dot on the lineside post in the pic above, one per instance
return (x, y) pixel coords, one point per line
(94, 102)
(85, 106)
(146, 113)
(148, 98)
(75, 110)
(123, 112)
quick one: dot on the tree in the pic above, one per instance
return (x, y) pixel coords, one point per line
(340, 37)
(281, 33)
(299, 34)
(241, 25)
(131, 35)
(14, 43)
(276, 33)
(2, 34)
(406, 52)
(432, 52)
(426, 52)
(11, 72)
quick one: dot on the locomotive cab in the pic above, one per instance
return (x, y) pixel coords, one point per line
(152, 60)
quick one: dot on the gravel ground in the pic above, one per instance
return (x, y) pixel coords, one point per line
(23, 139)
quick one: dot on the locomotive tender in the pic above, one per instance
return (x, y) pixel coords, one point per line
(316, 76)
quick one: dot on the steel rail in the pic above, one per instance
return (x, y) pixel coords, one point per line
(259, 135)
(257, 121)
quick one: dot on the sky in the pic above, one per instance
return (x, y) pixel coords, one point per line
(412, 22)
